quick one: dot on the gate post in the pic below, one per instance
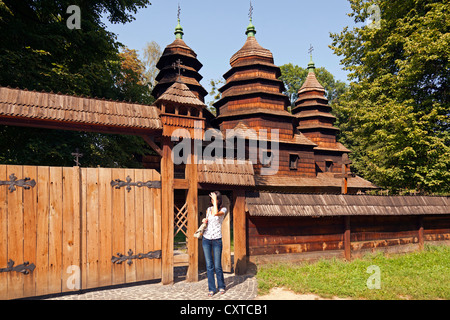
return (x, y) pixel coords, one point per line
(347, 239)
(192, 223)
(240, 232)
(167, 203)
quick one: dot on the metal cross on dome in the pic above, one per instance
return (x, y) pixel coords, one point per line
(311, 49)
(250, 12)
(178, 65)
(179, 12)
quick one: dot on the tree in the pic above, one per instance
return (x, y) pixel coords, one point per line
(132, 80)
(152, 53)
(294, 76)
(40, 52)
(215, 94)
(396, 114)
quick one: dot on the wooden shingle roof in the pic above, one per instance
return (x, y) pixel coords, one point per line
(311, 84)
(179, 93)
(31, 106)
(323, 179)
(272, 204)
(226, 172)
(252, 48)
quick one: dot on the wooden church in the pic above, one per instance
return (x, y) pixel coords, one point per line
(286, 180)
(311, 205)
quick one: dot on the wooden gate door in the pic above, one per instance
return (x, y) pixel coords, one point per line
(39, 230)
(121, 231)
(66, 229)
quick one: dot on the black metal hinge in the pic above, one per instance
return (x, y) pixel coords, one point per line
(121, 258)
(24, 268)
(128, 184)
(13, 182)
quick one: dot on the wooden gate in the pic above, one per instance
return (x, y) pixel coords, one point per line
(66, 229)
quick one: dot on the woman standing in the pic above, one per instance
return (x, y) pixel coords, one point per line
(212, 241)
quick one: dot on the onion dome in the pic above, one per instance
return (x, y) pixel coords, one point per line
(168, 75)
(313, 112)
(253, 89)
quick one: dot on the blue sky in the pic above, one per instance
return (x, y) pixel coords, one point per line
(215, 30)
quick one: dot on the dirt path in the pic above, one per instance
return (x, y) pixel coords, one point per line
(284, 294)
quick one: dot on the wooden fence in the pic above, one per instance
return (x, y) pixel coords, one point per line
(67, 229)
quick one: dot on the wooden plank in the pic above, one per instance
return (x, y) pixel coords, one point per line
(83, 232)
(105, 226)
(130, 226)
(192, 219)
(368, 236)
(271, 223)
(92, 226)
(157, 225)
(148, 225)
(239, 225)
(181, 183)
(140, 229)
(71, 230)
(167, 212)
(255, 241)
(55, 230)
(226, 243)
(3, 233)
(15, 234)
(347, 241)
(29, 230)
(421, 233)
(382, 243)
(43, 208)
(118, 218)
(152, 144)
(297, 248)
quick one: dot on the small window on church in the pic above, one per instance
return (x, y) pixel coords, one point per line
(266, 160)
(183, 111)
(194, 112)
(328, 165)
(293, 161)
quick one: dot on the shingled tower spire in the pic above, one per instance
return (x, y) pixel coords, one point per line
(253, 91)
(178, 50)
(314, 113)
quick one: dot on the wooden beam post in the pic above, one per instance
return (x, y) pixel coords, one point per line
(347, 242)
(240, 232)
(167, 211)
(226, 244)
(421, 233)
(345, 174)
(344, 187)
(192, 223)
(152, 144)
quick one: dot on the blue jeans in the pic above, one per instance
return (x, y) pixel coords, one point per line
(210, 248)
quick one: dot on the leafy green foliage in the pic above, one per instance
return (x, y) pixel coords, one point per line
(395, 117)
(294, 76)
(39, 52)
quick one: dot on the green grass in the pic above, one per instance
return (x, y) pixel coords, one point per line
(417, 275)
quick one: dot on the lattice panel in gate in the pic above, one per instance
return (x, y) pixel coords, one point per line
(180, 221)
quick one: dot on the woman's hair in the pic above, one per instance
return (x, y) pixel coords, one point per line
(219, 199)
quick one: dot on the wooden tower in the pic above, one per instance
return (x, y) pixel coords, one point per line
(253, 94)
(316, 122)
(180, 109)
(178, 52)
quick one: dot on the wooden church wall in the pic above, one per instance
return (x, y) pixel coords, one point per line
(315, 237)
(272, 235)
